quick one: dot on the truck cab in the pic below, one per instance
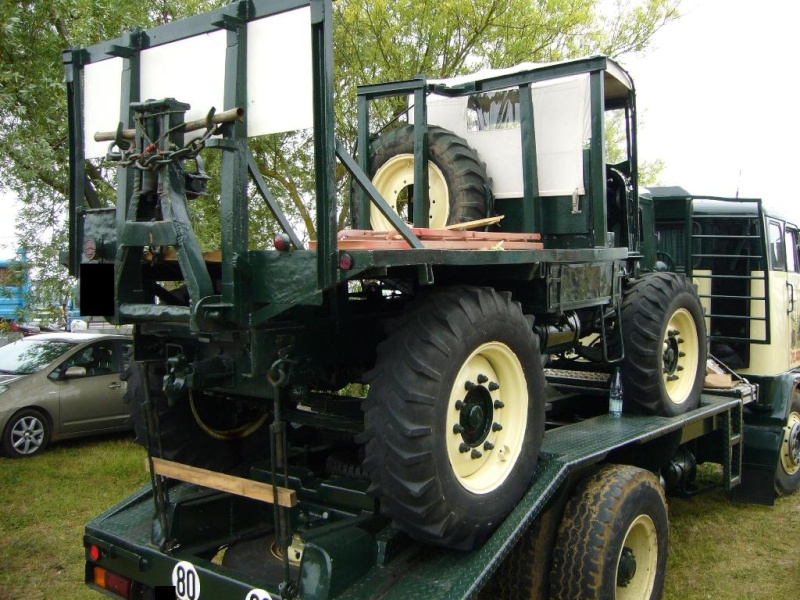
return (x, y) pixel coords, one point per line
(743, 258)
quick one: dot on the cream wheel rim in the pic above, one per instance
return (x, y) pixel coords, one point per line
(790, 446)
(680, 355)
(637, 561)
(394, 176)
(487, 417)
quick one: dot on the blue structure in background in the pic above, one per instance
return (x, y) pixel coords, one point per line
(15, 285)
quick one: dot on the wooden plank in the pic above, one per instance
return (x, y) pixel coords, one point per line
(476, 223)
(445, 234)
(383, 244)
(222, 482)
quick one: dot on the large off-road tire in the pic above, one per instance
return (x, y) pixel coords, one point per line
(665, 345)
(455, 416)
(456, 176)
(787, 473)
(182, 439)
(27, 433)
(613, 539)
(525, 573)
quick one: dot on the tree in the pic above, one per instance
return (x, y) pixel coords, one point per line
(375, 40)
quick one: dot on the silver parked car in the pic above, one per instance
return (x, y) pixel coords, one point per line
(60, 385)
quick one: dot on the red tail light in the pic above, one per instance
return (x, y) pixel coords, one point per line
(112, 582)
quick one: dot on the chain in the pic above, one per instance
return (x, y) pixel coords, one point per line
(151, 158)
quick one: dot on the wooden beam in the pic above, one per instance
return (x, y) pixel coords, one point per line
(222, 482)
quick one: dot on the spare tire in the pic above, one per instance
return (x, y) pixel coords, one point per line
(456, 177)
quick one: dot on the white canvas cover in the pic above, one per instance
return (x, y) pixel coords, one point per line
(562, 125)
(192, 70)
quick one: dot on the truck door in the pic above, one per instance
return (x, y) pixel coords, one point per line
(793, 294)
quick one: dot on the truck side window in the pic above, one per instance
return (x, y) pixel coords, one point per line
(791, 251)
(777, 255)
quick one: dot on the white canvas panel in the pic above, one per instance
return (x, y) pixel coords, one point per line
(279, 73)
(102, 82)
(562, 117)
(191, 70)
(562, 124)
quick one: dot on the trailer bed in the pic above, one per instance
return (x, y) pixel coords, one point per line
(405, 569)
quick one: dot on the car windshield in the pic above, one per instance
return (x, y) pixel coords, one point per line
(27, 356)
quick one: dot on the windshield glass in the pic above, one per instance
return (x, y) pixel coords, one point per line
(27, 356)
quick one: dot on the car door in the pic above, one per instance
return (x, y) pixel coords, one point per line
(90, 400)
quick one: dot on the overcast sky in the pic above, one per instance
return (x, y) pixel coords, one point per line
(718, 103)
(717, 99)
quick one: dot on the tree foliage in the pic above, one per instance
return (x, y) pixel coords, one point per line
(375, 40)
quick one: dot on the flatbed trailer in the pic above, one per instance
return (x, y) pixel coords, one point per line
(388, 564)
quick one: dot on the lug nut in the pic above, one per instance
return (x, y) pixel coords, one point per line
(476, 454)
(488, 446)
(462, 447)
(499, 404)
(458, 428)
(493, 387)
(482, 378)
(459, 404)
(496, 427)
(469, 385)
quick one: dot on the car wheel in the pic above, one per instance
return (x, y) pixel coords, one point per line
(27, 434)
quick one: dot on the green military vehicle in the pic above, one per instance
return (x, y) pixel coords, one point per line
(496, 273)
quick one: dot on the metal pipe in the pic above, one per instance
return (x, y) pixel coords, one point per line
(228, 116)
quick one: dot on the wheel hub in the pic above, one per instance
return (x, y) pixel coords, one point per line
(475, 420)
(627, 567)
(671, 351)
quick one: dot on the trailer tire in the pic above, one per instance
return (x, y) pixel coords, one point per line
(615, 530)
(525, 573)
(787, 473)
(448, 458)
(664, 334)
(456, 176)
(182, 440)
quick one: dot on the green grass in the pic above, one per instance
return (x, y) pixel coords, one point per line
(726, 551)
(45, 501)
(718, 550)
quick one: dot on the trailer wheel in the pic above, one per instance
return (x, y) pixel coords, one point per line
(456, 177)
(613, 539)
(182, 440)
(455, 416)
(787, 474)
(525, 573)
(665, 345)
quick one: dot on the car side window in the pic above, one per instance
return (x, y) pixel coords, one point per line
(97, 359)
